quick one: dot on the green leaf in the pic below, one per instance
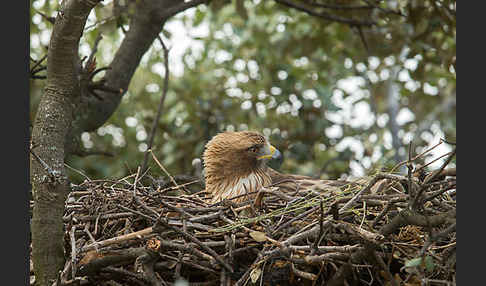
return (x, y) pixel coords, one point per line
(428, 263)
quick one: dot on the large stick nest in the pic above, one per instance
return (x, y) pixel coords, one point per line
(385, 229)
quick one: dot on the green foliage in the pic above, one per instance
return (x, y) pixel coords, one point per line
(307, 83)
(427, 262)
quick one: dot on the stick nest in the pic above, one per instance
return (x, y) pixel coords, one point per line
(385, 229)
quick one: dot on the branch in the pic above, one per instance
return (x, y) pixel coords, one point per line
(192, 238)
(409, 217)
(325, 15)
(341, 7)
(169, 12)
(161, 104)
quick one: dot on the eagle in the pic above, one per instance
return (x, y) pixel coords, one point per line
(235, 168)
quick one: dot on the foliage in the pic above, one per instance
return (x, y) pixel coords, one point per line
(308, 83)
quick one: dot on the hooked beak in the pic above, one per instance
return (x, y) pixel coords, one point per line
(270, 152)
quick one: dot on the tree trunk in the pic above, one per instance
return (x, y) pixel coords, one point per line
(66, 110)
(49, 182)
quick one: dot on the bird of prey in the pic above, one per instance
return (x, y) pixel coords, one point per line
(235, 165)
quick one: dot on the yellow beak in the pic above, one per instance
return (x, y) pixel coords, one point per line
(270, 152)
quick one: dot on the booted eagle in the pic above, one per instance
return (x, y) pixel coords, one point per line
(235, 165)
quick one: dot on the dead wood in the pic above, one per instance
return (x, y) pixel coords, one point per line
(119, 232)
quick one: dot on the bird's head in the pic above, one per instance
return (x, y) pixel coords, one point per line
(238, 152)
(236, 155)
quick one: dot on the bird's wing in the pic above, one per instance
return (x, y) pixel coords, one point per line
(291, 182)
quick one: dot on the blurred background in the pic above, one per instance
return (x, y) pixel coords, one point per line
(338, 101)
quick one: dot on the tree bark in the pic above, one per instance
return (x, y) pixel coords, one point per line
(66, 110)
(49, 182)
(146, 22)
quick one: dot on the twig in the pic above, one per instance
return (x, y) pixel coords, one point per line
(408, 217)
(432, 176)
(138, 213)
(299, 217)
(415, 158)
(73, 252)
(77, 171)
(91, 57)
(438, 171)
(118, 239)
(411, 191)
(153, 130)
(385, 268)
(436, 237)
(433, 161)
(187, 235)
(244, 278)
(359, 194)
(37, 63)
(165, 171)
(325, 15)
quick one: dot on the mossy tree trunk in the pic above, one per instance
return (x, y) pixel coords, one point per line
(66, 110)
(53, 120)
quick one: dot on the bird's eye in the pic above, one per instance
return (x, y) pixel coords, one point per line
(253, 149)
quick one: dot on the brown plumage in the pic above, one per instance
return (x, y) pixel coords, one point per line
(235, 164)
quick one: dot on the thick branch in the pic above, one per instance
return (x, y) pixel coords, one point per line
(325, 15)
(145, 25)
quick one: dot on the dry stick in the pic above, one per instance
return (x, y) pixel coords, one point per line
(148, 264)
(437, 236)
(99, 216)
(438, 171)
(165, 171)
(431, 177)
(284, 245)
(181, 254)
(408, 217)
(95, 48)
(358, 195)
(73, 251)
(416, 157)
(245, 276)
(321, 229)
(135, 183)
(385, 210)
(433, 161)
(86, 230)
(377, 178)
(302, 215)
(77, 171)
(197, 265)
(135, 278)
(303, 274)
(443, 189)
(161, 103)
(411, 192)
(63, 276)
(385, 268)
(189, 236)
(118, 239)
(39, 62)
(191, 250)
(138, 213)
(176, 209)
